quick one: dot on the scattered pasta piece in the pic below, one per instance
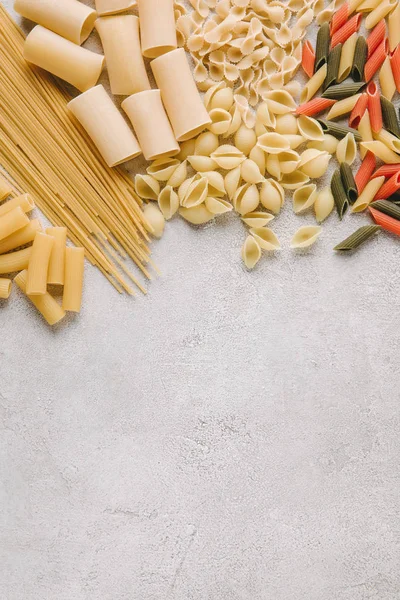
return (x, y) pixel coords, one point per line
(305, 236)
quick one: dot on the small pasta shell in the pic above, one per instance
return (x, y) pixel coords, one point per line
(260, 129)
(206, 143)
(197, 215)
(314, 163)
(310, 129)
(236, 120)
(146, 187)
(251, 252)
(305, 236)
(266, 238)
(196, 193)
(216, 185)
(265, 116)
(295, 140)
(246, 199)
(272, 195)
(304, 197)
(346, 150)
(258, 156)
(245, 139)
(187, 149)
(227, 157)
(202, 163)
(329, 143)
(155, 219)
(282, 163)
(220, 121)
(250, 172)
(222, 99)
(162, 168)
(324, 204)
(286, 124)
(280, 102)
(217, 206)
(208, 96)
(257, 219)
(273, 143)
(294, 180)
(168, 202)
(231, 182)
(178, 176)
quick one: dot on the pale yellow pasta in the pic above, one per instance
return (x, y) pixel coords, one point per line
(265, 238)
(305, 236)
(390, 140)
(394, 28)
(186, 149)
(231, 182)
(168, 202)
(247, 115)
(217, 206)
(157, 27)
(71, 19)
(265, 116)
(294, 180)
(202, 163)
(354, 5)
(222, 98)
(179, 175)
(25, 202)
(163, 168)
(368, 194)
(250, 172)
(146, 187)
(245, 139)
(197, 215)
(379, 13)
(206, 143)
(200, 71)
(386, 79)
(155, 219)
(346, 57)
(329, 144)
(293, 88)
(235, 121)
(21, 237)
(5, 188)
(228, 157)
(310, 129)
(258, 156)
(295, 140)
(72, 63)
(12, 221)
(251, 252)
(324, 204)
(257, 219)
(111, 7)
(196, 193)
(366, 5)
(45, 304)
(220, 121)
(364, 129)
(304, 197)
(216, 185)
(273, 143)
(279, 102)
(342, 107)
(313, 85)
(36, 283)
(283, 163)
(201, 7)
(246, 199)
(325, 16)
(272, 195)
(314, 163)
(73, 281)
(183, 188)
(56, 270)
(346, 150)
(15, 261)
(5, 288)
(381, 151)
(286, 124)
(105, 125)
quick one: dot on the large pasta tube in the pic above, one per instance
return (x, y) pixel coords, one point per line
(21, 237)
(105, 125)
(5, 288)
(157, 27)
(12, 221)
(25, 201)
(45, 304)
(74, 267)
(111, 7)
(15, 261)
(38, 267)
(78, 66)
(180, 96)
(69, 18)
(150, 122)
(55, 273)
(121, 43)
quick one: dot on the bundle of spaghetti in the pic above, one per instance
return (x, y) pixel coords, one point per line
(49, 155)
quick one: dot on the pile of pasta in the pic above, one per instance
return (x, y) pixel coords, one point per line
(48, 261)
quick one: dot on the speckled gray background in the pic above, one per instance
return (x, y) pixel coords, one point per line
(232, 436)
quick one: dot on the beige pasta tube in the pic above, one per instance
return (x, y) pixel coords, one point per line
(364, 129)
(24, 201)
(312, 86)
(55, 274)
(394, 28)
(105, 125)
(21, 237)
(180, 96)
(5, 288)
(111, 7)
(386, 79)
(15, 261)
(12, 221)
(368, 194)
(73, 283)
(381, 151)
(379, 13)
(343, 107)
(36, 284)
(157, 27)
(5, 188)
(150, 122)
(71, 19)
(121, 44)
(74, 64)
(46, 305)
(346, 57)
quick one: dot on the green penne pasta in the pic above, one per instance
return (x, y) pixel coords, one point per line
(322, 46)
(338, 131)
(339, 194)
(387, 207)
(333, 66)
(359, 60)
(342, 90)
(395, 198)
(389, 116)
(349, 184)
(356, 239)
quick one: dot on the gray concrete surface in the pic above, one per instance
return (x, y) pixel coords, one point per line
(232, 436)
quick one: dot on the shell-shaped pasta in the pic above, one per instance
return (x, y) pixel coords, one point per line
(187, 149)
(310, 129)
(216, 186)
(286, 124)
(251, 252)
(231, 182)
(329, 144)
(246, 199)
(250, 172)
(258, 156)
(222, 99)
(295, 140)
(210, 93)
(305, 236)
(273, 143)
(206, 143)
(146, 187)
(260, 129)
(248, 117)
(283, 163)
(197, 215)
(294, 180)
(245, 139)
(155, 219)
(183, 188)
(304, 197)
(217, 206)
(293, 88)
(257, 219)
(227, 157)
(346, 150)
(202, 163)
(178, 176)
(280, 102)
(220, 121)
(265, 116)
(266, 238)
(196, 193)
(162, 168)
(314, 163)
(324, 204)
(236, 121)
(168, 202)
(272, 195)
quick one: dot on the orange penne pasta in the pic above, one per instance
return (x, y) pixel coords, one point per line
(374, 107)
(395, 64)
(340, 18)
(386, 222)
(386, 170)
(365, 171)
(314, 106)
(350, 27)
(308, 59)
(390, 187)
(376, 36)
(358, 111)
(375, 61)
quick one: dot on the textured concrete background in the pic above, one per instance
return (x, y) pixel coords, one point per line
(232, 436)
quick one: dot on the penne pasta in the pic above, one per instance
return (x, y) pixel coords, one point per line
(394, 28)
(343, 107)
(376, 37)
(343, 34)
(308, 59)
(386, 80)
(5, 288)
(368, 194)
(21, 237)
(73, 282)
(374, 107)
(395, 64)
(365, 132)
(338, 131)
(333, 66)
(339, 18)
(15, 261)
(354, 5)
(358, 111)
(36, 283)
(387, 208)
(365, 172)
(322, 47)
(379, 12)
(387, 170)
(339, 194)
(12, 221)
(314, 106)
(347, 57)
(360, 58)
(342, 90)
(390, 140)
(314, 84)
(390, 187)
(389, 117)
(24, 201)
(45, 304)
(381, 151)
(385, 221)
(111, 7)
(55, 275)
(375, 62)
(349, 184)
(157, 27)
(356, 239)
(367, 6)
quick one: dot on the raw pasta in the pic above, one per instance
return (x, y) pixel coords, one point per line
(15, 261)
(46, 304)
(347, 57)
(157, 27)
(251, 252)
(343, 107)
(11, 221)
(265, 238)
(21, 237)
(357, 238)
(110, 7)
(324, 204)
(36, 283)
(24, 201)
(5, 288)
(73, 284)
(55, 274)
(155, 219)
(305, 236)
(368, 194)
(314, 84)
(346, 150)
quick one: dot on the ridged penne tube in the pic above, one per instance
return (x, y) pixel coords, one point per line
(368, 194)
(120, 39)
(386, 79)
(71, 19)
(364, 129)
(105, 125)
(12, 221)
(5, 288)
(45, 304)
(146, 112)
(379, 13)
(162, 168)
(314, 84)
(343, 107)
(111, 7)
(251, 252)
(5, 188)
(15, 261)
(155, 219)
(25, 202)
(328, 144)
(72, 63)
(310, 129)
(346, 58)
(197, 215)
(55, 274)
(356, 239)
(180, 96)
(390, 140)
(73, 284)
(314, 163)
(21, 237)
(146, 187)
(305, 236)
(394, 28)
(366, 171)
(381, 151)
(257, 219)
(304, 197)
(346, 150)
(354, 5)
(157, 27)
(273, 143)
(36, 283)
(206, 143)
(324, 204)
(246, 199)
(340, 17)
(168, 202)
(265, 238)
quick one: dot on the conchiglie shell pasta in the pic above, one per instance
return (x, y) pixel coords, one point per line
(163, 168)
(168, 202)
(206, 143)
(146, 187)
(155, 219)
(231, 182)
(295, 140)
(273, 143)
(216, 185)
(196, 193)
(257, 219)
(324, 204)
(228, 157)
(251, 252)
(272, 195)
(329, 144)
(258, 156)
(310, 129)
(245, 139)
(178, 176)
(197, 215)
(266, 238)
(305, 236)
(217, 206)
(222, 99)
(314, 163)
(187, 149)
(280, 102)
(265, 116)
(246, 199)
(250, 172)
(304, 197)
(286, 124)
(346, 150)
(220, 121)
(202, 163)
(282, 163)
(292, 181)
(236, 121)
(183, 188)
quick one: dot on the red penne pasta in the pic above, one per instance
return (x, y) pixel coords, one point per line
(386, 170)
(374, 107)
(375, 61)
(390, 187)
(365, 171)
(340, 18)
(308, 59)
(395, 64)
(350, 27)
(386, 222)
(314, 106)
(376, 36)
(358, 111)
